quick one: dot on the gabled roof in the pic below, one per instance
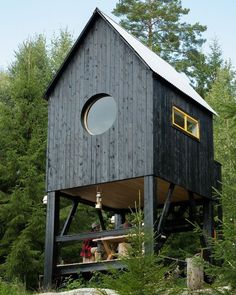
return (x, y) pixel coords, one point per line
(153, 61)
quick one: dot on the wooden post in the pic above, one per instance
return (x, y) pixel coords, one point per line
(51, 250)
(150, 213)
(192, 207)
(102, 223)
(208, 229)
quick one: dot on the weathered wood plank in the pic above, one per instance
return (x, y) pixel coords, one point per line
(208, 229)
(80, 135)
(149, 130)
(178, 157)
(103, 63)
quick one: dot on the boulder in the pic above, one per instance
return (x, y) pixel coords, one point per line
(83, 291)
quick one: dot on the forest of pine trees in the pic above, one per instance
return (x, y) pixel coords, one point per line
(23, 129)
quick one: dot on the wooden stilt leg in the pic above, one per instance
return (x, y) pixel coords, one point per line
(150, 213)
(208, 229)
(192, 207)
(51, 251)
(102, 223)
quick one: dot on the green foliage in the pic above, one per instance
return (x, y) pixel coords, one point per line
(159, 25)
(224, 254)
(222, 97)
(182, 245)
(215, 62)
(60, 45)
(4, 88)
(204, 68)
(12, 289)
(70, 284)
(23, 128)
(145, 275)
(23, 147)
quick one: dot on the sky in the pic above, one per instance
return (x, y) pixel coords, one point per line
(22, 19)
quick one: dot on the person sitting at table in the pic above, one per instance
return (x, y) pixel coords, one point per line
(126, 224)
(90, 248)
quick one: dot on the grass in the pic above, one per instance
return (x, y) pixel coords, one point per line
(12, 288)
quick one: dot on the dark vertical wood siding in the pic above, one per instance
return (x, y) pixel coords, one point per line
(179, 158)
(103, 64)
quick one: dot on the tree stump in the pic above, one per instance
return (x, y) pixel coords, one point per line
(195, 275)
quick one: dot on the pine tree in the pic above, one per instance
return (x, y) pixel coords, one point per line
(205, 68)
(23, 143)
(215, 61)
(222, 97)
(159, 25)
(4, 87)
(23, 128)
(60, 45)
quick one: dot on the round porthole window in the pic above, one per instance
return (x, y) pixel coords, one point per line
(99, 114)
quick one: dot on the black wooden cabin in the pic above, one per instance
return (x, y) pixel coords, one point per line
(153, 134)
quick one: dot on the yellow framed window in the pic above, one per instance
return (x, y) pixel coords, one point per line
(186, 123)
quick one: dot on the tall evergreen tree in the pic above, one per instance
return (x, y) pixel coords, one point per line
(205, 68)
(23, 128)
(4, 87)
(222, 96)
(60, 45)
(215, 62)
(158, 24)
(23, 141)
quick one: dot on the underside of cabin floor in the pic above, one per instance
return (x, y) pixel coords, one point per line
(125, 194)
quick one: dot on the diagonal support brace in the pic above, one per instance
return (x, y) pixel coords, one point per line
(69, 219)
(165, 209)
